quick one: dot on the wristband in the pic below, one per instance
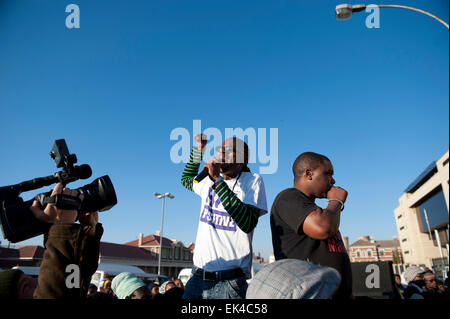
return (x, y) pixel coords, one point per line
(217, 182)
(337, 200)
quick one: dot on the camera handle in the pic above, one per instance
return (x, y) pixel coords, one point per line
(59, 200)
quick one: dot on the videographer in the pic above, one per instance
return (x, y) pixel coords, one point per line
(67, 243)
(72, 250)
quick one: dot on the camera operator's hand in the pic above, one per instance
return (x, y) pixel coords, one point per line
(201, 141)
(53, 214)
(90, 219)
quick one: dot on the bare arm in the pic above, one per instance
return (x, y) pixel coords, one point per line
(324, 223)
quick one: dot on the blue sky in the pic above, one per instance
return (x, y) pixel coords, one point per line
(375, 101)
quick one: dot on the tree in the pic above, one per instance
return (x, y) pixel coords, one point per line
(396, 257)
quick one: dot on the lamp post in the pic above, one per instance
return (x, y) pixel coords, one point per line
(163, 196)
(344, 11)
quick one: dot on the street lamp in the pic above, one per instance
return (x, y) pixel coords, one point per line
(163, 196)
(344, 11)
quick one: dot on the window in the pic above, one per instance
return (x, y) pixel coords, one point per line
(166, 253)
(406, 252)
(399, 216)
(381, 253)
(369, 254)
(177, 253)
(404, 239)
(434, 208)
(358, 254)
(187, 252)
(403, 227)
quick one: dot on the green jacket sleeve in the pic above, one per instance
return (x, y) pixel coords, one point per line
(191, 169)
(68, 244)
(244, 215)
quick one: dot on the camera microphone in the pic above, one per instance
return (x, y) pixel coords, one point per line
(83, 171)
(78, 172)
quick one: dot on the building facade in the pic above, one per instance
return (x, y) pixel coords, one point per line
(24, 256)
(143, 253)
(175, 256)
(422, 218)
(366, 249)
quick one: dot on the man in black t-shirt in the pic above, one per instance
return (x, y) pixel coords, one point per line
(302, 230)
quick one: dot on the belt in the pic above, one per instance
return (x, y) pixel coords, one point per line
(220, 275)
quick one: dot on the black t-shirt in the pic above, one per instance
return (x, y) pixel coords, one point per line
(289, 211)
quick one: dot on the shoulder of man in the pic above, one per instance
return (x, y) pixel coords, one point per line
(251, 191)
(251, 180)
(292, 200)
(290, 209)
(252, 176)
(410, 290)
(293, 194)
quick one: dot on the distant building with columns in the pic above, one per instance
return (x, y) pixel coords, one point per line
(366, 249)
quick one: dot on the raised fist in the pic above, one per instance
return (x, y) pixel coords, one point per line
(201, 140)
(337, 192)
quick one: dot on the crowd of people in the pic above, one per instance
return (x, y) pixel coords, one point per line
(127, 285)
(422, 284)
(311, 259)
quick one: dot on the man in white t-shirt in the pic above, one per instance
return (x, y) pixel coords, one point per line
(233, 199)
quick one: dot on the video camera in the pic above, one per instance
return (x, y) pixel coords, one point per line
(18, 222)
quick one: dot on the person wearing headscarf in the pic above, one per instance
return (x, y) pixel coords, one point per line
(127, 286)
(416, 284)
(166, 286)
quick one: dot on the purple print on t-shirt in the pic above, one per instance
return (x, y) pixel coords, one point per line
(214, 217)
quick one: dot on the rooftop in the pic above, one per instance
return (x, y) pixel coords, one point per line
(422, 178)
(33, 252)
(152, 240)
(124, 251)
(394, 243)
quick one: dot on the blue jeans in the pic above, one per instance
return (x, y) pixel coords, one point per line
(197, 288)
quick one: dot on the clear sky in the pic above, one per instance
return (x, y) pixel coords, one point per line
(375, 101)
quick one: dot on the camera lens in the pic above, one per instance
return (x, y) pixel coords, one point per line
(98, 195)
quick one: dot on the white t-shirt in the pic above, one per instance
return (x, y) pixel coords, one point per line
(220, 243)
